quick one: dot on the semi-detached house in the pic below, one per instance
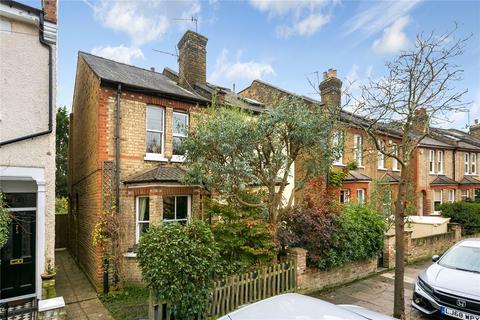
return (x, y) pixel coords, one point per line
(127, 124)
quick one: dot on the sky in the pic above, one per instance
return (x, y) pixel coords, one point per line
(286, 43)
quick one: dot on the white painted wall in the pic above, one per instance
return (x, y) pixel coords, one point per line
(24, 110)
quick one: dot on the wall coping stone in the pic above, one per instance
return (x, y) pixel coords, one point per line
(50, 304)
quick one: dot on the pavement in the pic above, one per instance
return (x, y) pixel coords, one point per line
(81, 301)
(376, 293)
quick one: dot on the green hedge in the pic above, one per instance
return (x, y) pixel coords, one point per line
(466, 214)
(359, 236)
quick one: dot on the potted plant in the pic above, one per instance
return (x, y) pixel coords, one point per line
(50, 271)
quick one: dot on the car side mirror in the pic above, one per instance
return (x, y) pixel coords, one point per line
(435, 258)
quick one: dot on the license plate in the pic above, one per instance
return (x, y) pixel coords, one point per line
(458, 314)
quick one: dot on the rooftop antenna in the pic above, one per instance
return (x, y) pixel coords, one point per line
(165, 52)
(192, 19)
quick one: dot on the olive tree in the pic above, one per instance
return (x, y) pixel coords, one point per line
(418, 90)
(230, 151)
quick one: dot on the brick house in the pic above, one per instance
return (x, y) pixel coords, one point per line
(446, 162)
(27, 148)
(127, 124)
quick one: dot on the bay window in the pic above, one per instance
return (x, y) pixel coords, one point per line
(361, 196)
(357, 149)
(155, 125)
(437, 200)
(142, 216)
(179, 128)
(344, 196)
(451, 195)
(176, 208)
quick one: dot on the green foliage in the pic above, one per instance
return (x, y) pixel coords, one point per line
(61, 156)
(230, 150)
(128, 303)
(381, 200)
(243, 235)
(61, 205)
(5, 220)
(359, 236)
(467, 214)
(179, 263)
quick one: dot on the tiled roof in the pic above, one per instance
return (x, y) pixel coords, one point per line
(135, 77)
(469, 180)
(161, 173)
(442, 180)
(390, 177)
(355, 176)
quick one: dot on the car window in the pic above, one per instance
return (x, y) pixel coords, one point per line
(462, 258)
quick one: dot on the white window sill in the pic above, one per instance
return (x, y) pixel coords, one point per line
(51, 304)
(396, 170)
(155, 157)
(383, 169)
(361, 167)
(339, 164)
(130, 255)
(178, 158)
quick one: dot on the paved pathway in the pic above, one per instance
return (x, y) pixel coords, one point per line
(376, 293)
(80, 298)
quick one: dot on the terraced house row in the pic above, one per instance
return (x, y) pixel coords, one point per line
(127, 124)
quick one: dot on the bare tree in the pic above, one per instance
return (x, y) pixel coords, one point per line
(418, 91)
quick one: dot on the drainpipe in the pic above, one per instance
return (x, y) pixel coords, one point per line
(117, 150)
(50, 92)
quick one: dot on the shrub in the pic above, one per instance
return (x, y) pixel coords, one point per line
(244, 238)
(466, 214)
(308, 228)
(61, 205)
(179, 262)
(359, 236)
(5, 220)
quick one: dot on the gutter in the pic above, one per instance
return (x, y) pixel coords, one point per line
(50, 91)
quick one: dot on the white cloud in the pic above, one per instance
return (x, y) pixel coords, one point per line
(300, 17)
(394, 38)
(250, 70)
(378, 16)
(119, 53)
(146, 20)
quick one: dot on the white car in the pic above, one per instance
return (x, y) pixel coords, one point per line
(294, 306)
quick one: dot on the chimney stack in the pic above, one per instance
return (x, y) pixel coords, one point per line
(50, 10)
(331, 89)
(475, 129)
(192, 59)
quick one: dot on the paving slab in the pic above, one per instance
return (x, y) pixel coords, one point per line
(81, 300)
(376, 293)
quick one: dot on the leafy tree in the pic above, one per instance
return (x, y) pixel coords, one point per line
(417, 91)
(179, 263)
(229, 150)
(243, 236)
(5, 221)
(61, 157)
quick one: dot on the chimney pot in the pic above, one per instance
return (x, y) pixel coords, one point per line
(152, 69)
(476, 121)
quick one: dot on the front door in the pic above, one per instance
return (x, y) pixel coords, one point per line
(18, 255)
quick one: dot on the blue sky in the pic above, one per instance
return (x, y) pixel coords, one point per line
(281, 42)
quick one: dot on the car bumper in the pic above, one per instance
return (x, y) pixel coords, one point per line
(423, 302)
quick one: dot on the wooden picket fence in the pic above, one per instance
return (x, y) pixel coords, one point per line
(237, 290)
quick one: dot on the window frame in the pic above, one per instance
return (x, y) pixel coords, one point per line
(451, 195)
(137, 214)
(440, 161)
(435, 192)
(153, 155)
(381, 156)
(358, 149)
(346, 196)
(394, 160)
(337, 140)
(179, 157)
(189, 208)
(362, 192)
(466, 161)
(473, 163)
(431, 161)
